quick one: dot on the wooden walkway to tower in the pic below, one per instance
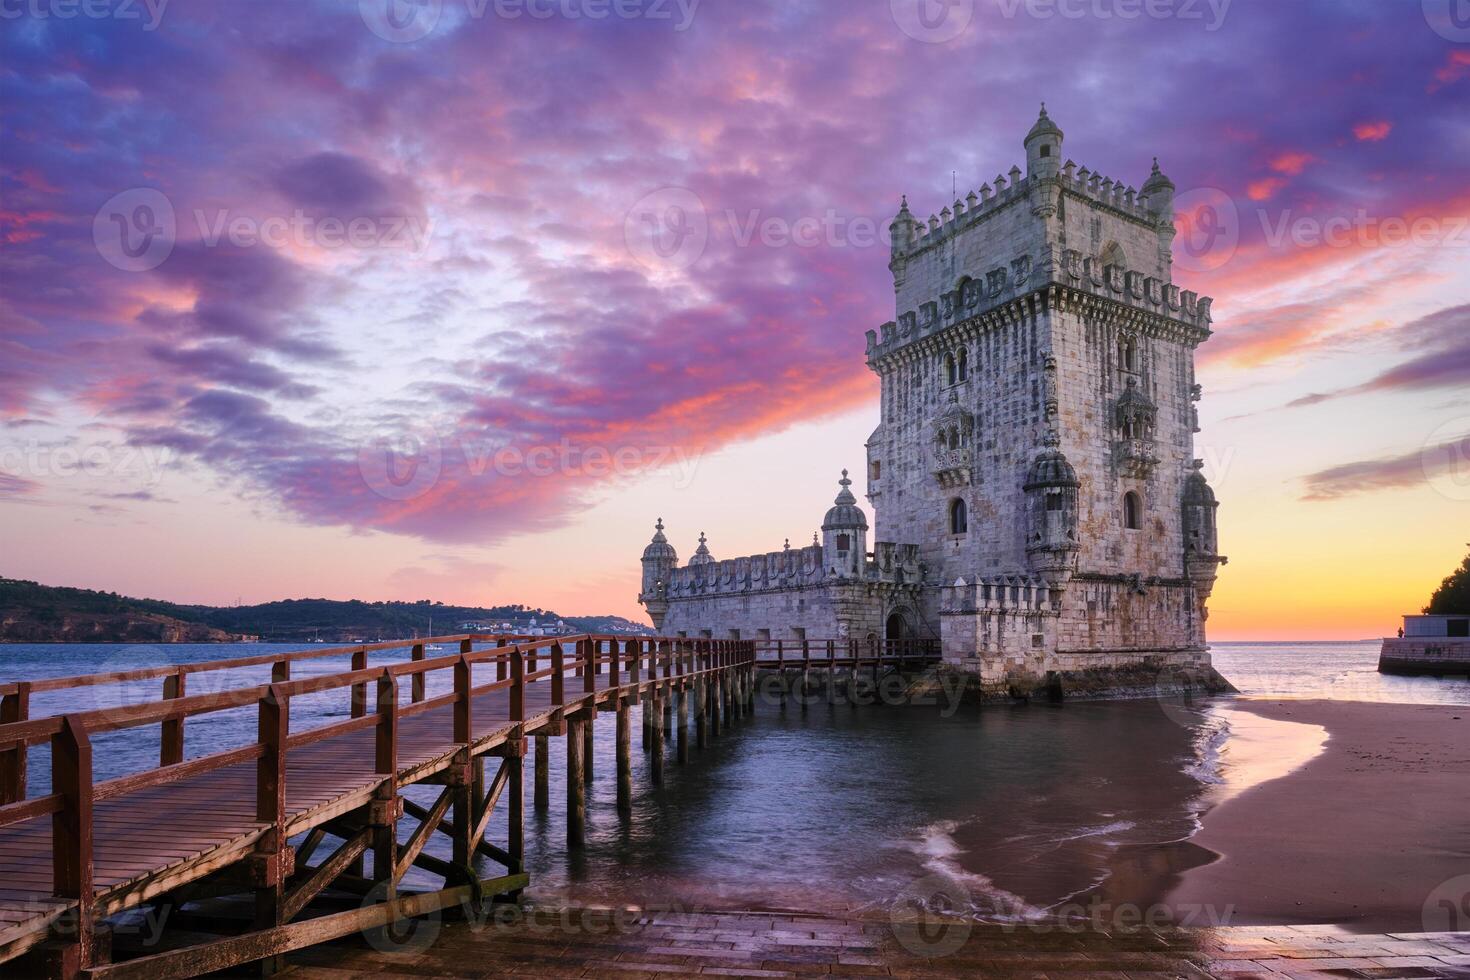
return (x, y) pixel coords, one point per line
(308, 824)
(250, 820)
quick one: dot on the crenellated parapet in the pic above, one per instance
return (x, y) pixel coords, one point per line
(1014, 594)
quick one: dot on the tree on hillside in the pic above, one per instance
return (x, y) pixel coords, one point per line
(1453, 595)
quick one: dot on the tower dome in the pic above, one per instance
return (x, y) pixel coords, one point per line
(659, 548)
(845, 512)
(701, 554)
(1044, 127)
(1197, 491)
(1050, 468)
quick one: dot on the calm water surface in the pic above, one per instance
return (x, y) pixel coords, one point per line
(834, 806)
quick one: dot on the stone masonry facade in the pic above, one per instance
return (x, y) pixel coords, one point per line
(1037, 505)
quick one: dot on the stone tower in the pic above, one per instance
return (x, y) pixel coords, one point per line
(1037, 507)
(1037, 422)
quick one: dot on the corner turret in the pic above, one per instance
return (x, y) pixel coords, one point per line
(845, 533)
(1044, 148)
(1051, 488)
(659, 561)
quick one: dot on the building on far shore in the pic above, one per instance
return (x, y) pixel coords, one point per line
(1428, 644)
(1037, 505)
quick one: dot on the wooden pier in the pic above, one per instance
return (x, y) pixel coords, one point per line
(248, 821)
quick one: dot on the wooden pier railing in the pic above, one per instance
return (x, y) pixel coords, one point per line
(247, 821)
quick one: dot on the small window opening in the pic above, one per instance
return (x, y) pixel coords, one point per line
(959, 519)
(1132, 511)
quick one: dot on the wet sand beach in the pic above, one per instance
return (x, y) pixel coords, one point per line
(1371, 833)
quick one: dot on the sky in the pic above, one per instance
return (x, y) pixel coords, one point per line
(451, 299)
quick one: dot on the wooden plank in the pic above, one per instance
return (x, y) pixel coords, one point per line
(225, 953)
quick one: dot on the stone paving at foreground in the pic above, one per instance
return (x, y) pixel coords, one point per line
(596, 943)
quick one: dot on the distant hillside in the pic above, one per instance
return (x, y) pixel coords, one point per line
(31, 613)
(37, 613)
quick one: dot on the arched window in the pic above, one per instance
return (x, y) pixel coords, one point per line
(1113, 255)
(1132, 511)
(959, 518)
(950, 374)
(1045, 150)
(964, 364)
(1053, 501)
(1128, 354)
(954, 438)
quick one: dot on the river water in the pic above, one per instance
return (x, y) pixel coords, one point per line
(1017, 809)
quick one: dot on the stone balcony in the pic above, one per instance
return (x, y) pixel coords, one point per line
(951, 467)
(1136, 457)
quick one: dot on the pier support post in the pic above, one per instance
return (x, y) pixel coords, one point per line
(543, 774)
(656, 743)
(682, 735)
(700, 737)
(576, 784)
(625, 762)
(589, 725)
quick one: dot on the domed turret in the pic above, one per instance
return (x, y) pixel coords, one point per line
(659, 561)
(1044, 147)
(845, 513)
(1051, 513)
(845, 533)
(701, 554)
(1159, 190)
(1202, 559)
(901, 231)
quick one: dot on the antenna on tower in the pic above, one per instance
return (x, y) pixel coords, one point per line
(954, 183)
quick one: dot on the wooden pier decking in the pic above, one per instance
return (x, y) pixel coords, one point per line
(248, 821)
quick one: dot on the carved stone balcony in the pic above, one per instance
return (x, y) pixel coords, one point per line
(951, 467)
(1136, 457)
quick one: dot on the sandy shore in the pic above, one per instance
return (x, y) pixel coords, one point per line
(1362, 835)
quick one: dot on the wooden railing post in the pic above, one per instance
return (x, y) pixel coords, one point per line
(359, 690)
(589, 672)
(171, 740)
(463, 677)
(502, 667)
(269, 870)
(384, 814)
(614, 666)
(558, 671)
(416, 686)
(280, 671)
(518, 686)
(633, 648)
(14, 707)
(71, 829)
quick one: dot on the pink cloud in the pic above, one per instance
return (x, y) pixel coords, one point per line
(1372, 132)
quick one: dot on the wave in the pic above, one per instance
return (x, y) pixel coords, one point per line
(970, 893)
